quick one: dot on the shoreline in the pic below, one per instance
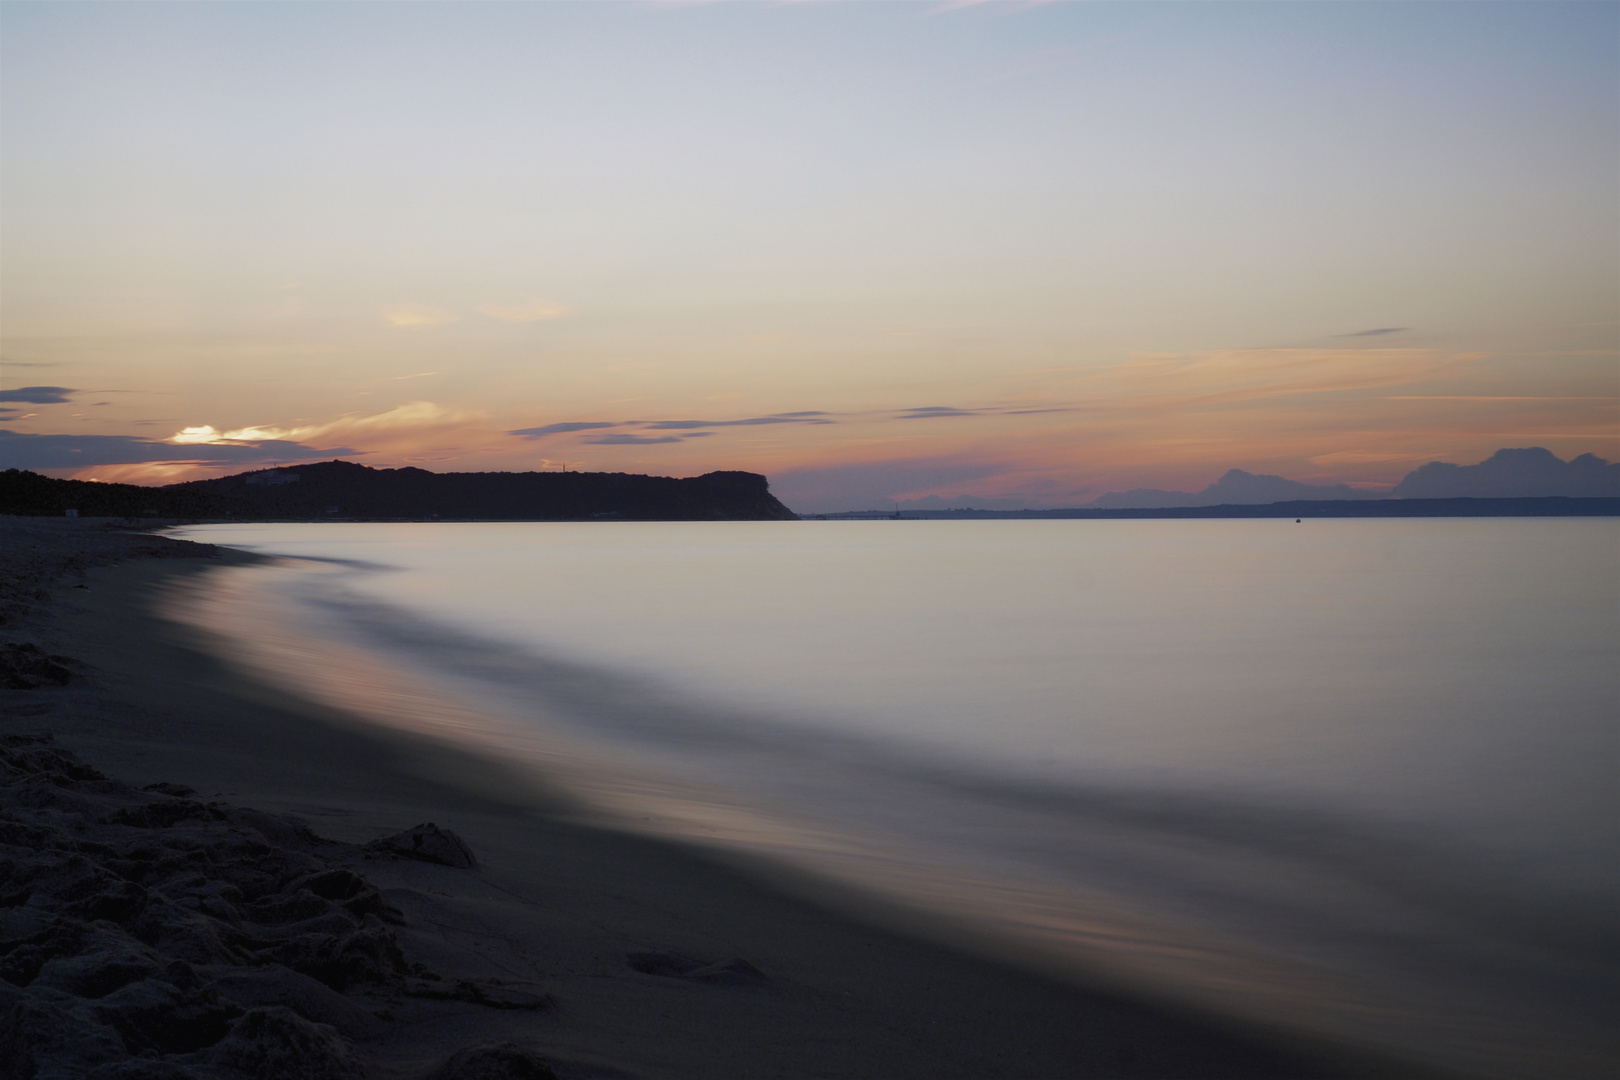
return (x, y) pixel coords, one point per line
(574, 910)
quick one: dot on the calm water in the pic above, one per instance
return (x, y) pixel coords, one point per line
(1354, 777)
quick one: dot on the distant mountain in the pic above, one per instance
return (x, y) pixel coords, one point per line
(1509, 474)
(1235, 488)
(342, 489)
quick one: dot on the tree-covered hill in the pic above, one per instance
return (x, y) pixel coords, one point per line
(341, 489)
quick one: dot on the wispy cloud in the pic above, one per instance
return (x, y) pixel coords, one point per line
(1377, 332)
(692, 428)
(936, 412)
(628, 439)
(946, 412)
(531, 311)
(777, 418)
(38, 395)
(411, 316)
(561, 429)
(411, 418)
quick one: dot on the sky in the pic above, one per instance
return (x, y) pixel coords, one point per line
(1025, 251)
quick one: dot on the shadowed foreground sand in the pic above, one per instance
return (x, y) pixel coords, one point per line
(153, 926)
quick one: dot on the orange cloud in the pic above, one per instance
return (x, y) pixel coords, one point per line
(414, 418)
(415, 431)
(154, 472)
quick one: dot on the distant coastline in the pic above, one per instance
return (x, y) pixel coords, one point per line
(1529, 473)
(345, 491)
(1528, 482)
(1547, 506)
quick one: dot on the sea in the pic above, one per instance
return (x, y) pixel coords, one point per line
(1353, 779)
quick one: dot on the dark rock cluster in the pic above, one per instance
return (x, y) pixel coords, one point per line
(25, 666)
(732, 972)
(428, 843)
(147, 935)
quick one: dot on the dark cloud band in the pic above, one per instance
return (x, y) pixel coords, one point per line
(692, 427)
(19, 451)
(627, 439)
(560, 429)
(935, 412)
(38, 395)
(778, 418)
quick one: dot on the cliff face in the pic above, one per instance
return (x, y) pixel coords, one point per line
(346, 490)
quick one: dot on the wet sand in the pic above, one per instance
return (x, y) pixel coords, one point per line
(604, 953)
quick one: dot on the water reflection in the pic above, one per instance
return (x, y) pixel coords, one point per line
(1290, 911)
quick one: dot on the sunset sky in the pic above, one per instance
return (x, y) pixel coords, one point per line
(874, 251)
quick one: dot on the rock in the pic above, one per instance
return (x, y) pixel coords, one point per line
(163, 787)
(491, 995)
(161, 815)
(154, 1015)
(184, 935)
(275, 1043)
(144, 1069)
(352, 892)
(290, 906)
(429, 843)
(733, 972)
(18, 924)
(281, 832)
(42, 1035)
(88, 961)
(371, 902)
(333, 884)
(370, 955)
(314, 1001)
(665, 964)
(24, 957)
(25, 667)
(35, 754)
(497, 1061)
(146, 935)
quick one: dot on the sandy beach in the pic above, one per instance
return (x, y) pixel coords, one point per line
(206, 876)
